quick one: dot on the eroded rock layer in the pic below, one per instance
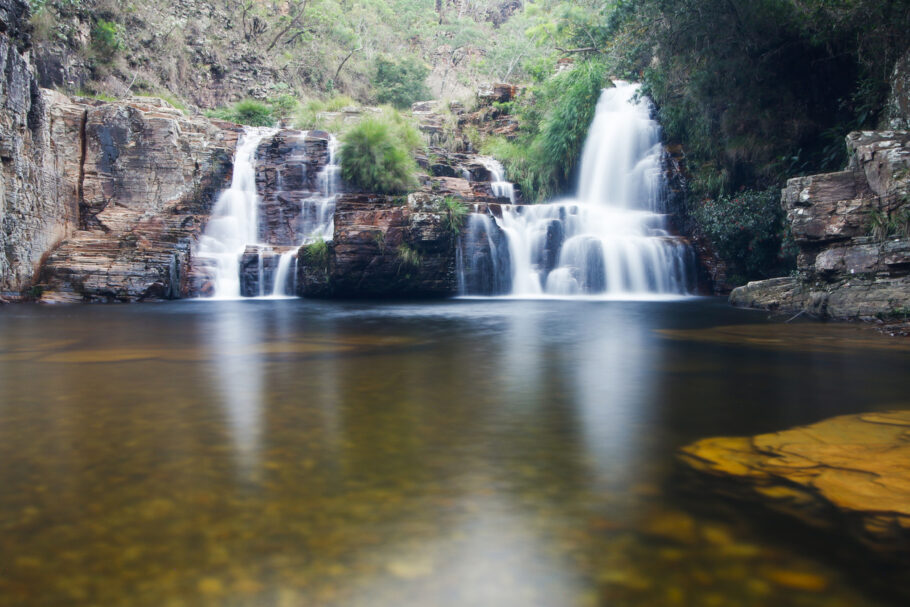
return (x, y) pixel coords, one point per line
(848, 473)
(146, 182)
(853, 236)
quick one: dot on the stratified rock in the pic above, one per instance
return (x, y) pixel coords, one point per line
(499, 92)
(37, 209)
(844, 272)
(288, 167)
(145, 186)
(383, 247)
(848, 473)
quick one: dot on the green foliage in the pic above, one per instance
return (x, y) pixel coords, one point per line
(249, 112)
(106, 40)
(400, 83)
(316, 254)
(747, 231)
(95, 95)
(555, 117)
(375, 156)
(764, 90)
(455, 213)
(408, 257)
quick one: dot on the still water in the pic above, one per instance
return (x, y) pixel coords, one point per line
(259, 453)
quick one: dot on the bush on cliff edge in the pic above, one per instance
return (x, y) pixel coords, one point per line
(375, 156)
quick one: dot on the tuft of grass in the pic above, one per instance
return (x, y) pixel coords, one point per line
(249, 112)
(95, 95)
(316, 254)
(375, 156)
(408, 257)
(455, 213)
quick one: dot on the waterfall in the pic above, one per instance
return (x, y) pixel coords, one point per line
(501, 188)
(231, 243)
(611, 239)
(282, 272)
(235, 219)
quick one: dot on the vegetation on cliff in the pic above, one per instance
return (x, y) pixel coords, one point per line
(376, 155)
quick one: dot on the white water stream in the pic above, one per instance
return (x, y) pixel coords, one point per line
(611, 240)
(234, 225)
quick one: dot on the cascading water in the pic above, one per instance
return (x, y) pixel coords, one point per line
(234, 232)
(611, 240)
(235, 219)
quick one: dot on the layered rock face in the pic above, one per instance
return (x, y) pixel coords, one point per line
(848, 473)
(38, 166)
(852, 232)
(144, 187)
(383, 247)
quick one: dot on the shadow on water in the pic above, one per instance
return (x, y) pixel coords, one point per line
(470, 452)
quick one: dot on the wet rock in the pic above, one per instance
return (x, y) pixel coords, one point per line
(897, 109)
(846, 473)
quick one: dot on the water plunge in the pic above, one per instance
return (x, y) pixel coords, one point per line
(234, 244)
(612, 239)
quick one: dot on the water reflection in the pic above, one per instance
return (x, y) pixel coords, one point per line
(232, 336)
(460, 453)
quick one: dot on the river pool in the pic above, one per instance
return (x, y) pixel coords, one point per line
(465, 452)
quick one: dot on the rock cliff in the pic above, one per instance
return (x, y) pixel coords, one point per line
(38, 207)
(145, 185)
(853, 236)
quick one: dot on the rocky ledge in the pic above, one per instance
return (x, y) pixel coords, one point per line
(853, 233)
(846, 473)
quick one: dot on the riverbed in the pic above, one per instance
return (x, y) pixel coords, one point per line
(463, 452)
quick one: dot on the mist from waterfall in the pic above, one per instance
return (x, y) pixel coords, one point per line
(610, 240)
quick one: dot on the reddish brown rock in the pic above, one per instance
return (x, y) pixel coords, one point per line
(146, 184)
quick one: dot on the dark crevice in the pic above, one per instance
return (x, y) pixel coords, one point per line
(83, 145)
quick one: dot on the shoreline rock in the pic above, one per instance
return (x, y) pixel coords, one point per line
(844, 270)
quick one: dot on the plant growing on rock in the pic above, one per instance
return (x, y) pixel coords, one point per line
(249, 112)
(455, 213)
(375, 157)
(316, 254)
(408, 257)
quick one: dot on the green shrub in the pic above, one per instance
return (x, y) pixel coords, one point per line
(747, 231)
(375, 158)
(283, 106)
(248, 111)
(400, 83)
(316, 254)
(882, 225)
(106, 40)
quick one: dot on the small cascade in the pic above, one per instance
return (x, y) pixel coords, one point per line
(241, 264)
(235, 218)
(501, 188)
(319, 210)
(282, 285)
(611, 240)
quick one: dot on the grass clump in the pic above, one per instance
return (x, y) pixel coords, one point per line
(883, 225)
(106, 40)
(455, 213)
(375, 156)
(316, 254)
(249, 112)
(555, 118)
(408, 257)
